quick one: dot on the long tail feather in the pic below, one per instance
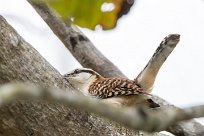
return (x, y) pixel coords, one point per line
(148, 75)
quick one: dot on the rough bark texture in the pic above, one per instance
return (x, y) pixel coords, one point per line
(88, 56)
(20, 62)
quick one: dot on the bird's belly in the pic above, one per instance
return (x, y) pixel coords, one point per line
(126, 101)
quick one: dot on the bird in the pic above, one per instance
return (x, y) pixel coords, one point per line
(117, 91)
(122, 91)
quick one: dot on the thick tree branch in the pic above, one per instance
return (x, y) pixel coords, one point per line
(138, 119)
(85, 52)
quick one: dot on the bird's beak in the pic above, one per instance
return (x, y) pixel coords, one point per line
(69, 75)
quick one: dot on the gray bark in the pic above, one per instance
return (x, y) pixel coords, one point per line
(88, 56)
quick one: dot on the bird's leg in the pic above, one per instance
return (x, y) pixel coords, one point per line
(148, 103)
(148, 75)
(152, 104)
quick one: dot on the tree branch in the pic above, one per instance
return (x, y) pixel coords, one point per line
(77, 43)
(85, 52)
(138, 119)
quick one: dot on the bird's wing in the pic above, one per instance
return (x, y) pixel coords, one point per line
(111, 87)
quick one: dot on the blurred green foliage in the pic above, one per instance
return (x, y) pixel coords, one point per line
(88, 13)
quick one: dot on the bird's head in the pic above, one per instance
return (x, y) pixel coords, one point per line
(82, 78)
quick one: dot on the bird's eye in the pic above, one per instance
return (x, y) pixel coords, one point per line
(76, 71)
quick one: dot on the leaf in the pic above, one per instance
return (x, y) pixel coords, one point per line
(89, 13)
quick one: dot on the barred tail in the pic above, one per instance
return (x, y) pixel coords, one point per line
(148, 75)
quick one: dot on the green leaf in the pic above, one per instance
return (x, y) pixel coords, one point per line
(88, 13)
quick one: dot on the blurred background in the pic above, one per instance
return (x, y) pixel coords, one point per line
(131, 44)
